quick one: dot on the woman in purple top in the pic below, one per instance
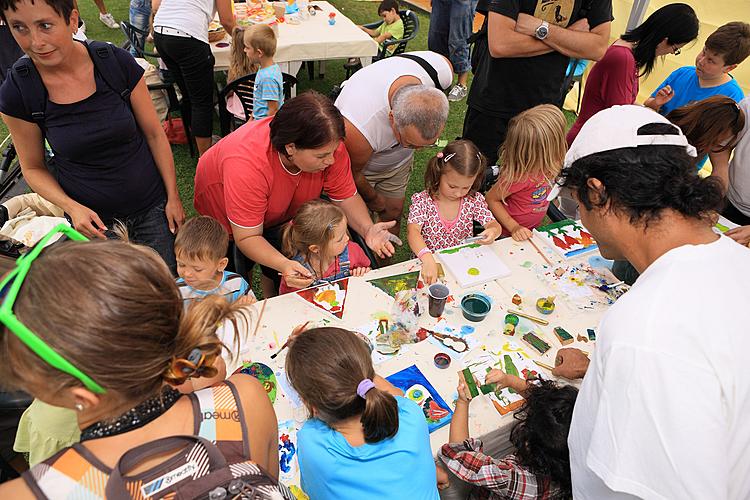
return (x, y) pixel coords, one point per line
(111, 157)
(614, 79)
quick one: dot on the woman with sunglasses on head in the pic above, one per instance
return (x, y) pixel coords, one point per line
(614, 79)
(111, 341)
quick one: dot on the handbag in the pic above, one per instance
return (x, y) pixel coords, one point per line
(175, 130)
(198, 471)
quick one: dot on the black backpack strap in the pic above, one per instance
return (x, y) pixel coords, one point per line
(105, 62)
(30, 85)
(425, 66)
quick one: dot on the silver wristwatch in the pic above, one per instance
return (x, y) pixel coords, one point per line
(542, 31)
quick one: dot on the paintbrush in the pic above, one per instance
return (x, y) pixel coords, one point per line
(544, 365)
(529, 317)
(607, 287)
(260, 317)
(539, 251)
(286, 344)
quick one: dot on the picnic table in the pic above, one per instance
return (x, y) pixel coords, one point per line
(365, 304)
(313, 39)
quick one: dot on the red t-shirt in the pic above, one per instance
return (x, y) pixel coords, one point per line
(241, 180)
(527, 202)
(612, 81)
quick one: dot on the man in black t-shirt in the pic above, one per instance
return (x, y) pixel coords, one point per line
(523, 60)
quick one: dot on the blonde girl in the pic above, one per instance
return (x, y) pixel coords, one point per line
(531, 158)
(240, 65)
(364, 440)
(318, 239)
(443, 214)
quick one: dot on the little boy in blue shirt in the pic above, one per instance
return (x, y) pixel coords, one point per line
(201, 250)
(724, 50)
(268, 93)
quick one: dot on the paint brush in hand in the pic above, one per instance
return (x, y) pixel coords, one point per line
(295, 332)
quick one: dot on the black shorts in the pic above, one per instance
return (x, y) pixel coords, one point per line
(240, 264)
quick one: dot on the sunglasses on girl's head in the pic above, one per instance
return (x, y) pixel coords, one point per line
(9, 288)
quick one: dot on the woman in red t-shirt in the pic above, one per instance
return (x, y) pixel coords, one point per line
(614, 79)
(256, 178)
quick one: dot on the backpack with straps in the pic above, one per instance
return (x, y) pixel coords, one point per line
(34, 95)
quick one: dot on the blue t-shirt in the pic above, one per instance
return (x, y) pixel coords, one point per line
(269, 86)
(399, 467)
(687, 89)
(102, 158)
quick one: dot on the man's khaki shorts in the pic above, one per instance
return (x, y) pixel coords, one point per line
(391, 183)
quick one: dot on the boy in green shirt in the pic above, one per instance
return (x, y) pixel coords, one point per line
(392, 26)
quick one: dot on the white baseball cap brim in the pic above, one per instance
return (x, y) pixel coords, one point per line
(616, 128)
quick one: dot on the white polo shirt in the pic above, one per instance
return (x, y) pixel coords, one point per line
(364, 102)
(663, 409)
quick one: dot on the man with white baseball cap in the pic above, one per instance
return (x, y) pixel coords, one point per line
(663, 405)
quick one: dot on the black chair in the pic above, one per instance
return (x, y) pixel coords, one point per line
(243, 88)
(12, 406)
(411, 28)
(136, 38)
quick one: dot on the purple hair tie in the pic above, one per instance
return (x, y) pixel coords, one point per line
(365, 386)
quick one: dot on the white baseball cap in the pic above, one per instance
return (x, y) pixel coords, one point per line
(617, 128)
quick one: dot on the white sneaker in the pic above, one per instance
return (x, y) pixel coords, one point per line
(80, 35)
(457, 93)
(109, 21)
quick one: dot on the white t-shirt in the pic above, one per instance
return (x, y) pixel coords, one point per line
(190, 16)
(663, 410)
(739, 168)
(364, 102)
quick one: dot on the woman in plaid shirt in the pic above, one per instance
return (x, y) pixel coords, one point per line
(540, 467)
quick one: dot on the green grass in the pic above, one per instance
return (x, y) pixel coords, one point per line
(357, 11)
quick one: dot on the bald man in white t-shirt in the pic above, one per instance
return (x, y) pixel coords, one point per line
(391, 108)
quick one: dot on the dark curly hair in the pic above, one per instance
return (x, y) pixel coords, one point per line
(540, 436)
(643, 181)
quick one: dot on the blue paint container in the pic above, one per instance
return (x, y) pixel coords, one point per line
(475, 307)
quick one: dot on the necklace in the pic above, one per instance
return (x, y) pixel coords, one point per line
(134, 418)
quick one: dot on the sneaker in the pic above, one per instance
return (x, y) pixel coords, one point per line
(457, 93)
(109, 21)
(80, 35)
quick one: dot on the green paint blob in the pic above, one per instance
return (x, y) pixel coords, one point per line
(458, 249)
(473, 271)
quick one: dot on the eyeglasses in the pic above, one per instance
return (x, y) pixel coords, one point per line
(9, 289)
(676, 50)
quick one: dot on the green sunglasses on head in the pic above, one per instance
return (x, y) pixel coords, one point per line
(9, 288)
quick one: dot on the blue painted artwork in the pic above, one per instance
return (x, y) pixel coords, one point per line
(416, 387)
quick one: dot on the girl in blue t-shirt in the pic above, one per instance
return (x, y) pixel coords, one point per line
(364, 440)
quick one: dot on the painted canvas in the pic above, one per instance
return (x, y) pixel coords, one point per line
(513, 360)
(265, 376)
(396, 283)
(473, 264)
(567, 237)
(330, 297)
(723, 225)
(583, 286)
(416, 387)
(288, 464)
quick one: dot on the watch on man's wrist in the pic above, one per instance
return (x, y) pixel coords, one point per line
(542, 31)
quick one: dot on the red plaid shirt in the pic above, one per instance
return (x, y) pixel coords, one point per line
(496, 479)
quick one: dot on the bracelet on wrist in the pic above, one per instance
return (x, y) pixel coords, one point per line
(423, 252)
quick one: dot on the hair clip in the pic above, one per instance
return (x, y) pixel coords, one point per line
(448, 157)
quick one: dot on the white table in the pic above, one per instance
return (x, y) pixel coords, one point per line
(311, 40)
(364, 301)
